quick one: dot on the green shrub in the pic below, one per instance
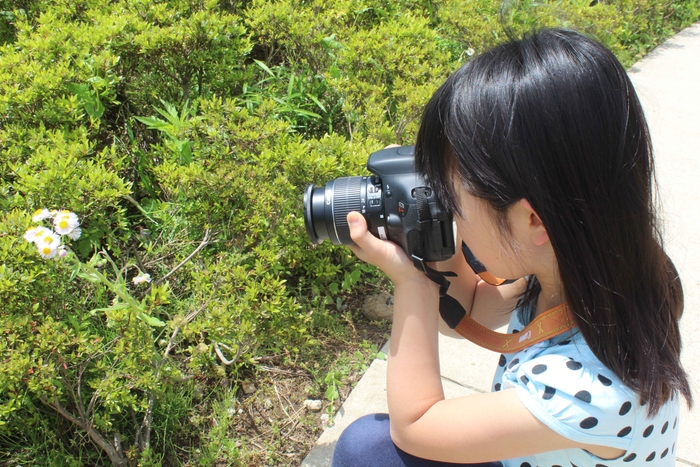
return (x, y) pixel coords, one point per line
(183, 133)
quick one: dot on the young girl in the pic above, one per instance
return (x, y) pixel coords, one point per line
(540, 149)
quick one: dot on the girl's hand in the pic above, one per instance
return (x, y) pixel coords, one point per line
(386, 255)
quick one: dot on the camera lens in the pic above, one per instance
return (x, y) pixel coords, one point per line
(326, 210)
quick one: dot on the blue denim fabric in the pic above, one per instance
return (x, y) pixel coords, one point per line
(367, 443)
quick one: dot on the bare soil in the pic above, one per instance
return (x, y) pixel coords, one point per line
(272, 424)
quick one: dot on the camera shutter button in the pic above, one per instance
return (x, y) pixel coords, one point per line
(393, 222)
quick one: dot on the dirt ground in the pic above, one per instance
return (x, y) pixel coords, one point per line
(272, 423)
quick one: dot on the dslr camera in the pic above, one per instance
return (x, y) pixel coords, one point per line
(396, 202)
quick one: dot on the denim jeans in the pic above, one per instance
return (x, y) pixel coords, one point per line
(367, 443)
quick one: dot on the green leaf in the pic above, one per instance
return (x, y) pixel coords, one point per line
(332, 393)
(79, 90)
(94, 278)
(94, 108)
(307, 113)
(317, 102)
(150, 320)
(171, 115)
(185, 150)
(115, 307)
(264, 67)
(153, 123)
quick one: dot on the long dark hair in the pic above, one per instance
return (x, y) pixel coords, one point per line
(553, 118)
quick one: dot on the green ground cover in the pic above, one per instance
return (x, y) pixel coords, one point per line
(182, 133)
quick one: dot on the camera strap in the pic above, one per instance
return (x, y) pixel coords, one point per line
(545, 326)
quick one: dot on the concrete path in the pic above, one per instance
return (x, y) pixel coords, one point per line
(668, 82)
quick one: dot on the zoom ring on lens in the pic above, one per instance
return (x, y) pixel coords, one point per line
(347, 197)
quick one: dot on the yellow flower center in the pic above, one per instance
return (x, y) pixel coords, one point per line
(46, 250)
(48, 240)
(37, 212)
(63, 224)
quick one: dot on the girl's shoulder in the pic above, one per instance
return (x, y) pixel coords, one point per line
(566, 387)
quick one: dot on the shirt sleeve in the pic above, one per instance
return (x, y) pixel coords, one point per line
(580, 401)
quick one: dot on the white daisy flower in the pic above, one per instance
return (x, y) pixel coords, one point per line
(47, 252)
(30, 234)
(75, 233)
(65, 222)
(48, 249)
(41, 214)
(48, 239)
(143, 277)
(35, 234)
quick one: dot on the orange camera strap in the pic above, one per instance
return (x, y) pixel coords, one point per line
(545, 326)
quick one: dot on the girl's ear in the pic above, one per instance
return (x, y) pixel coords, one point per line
(535, 227)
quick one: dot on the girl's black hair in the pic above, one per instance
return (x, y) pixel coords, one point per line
(553, 118)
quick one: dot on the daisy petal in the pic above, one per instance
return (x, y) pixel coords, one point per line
(47, 252)
(144, 277)
(65, 222)
(41, 214)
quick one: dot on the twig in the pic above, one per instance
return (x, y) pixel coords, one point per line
(271, 369)
(257, 445)
(140, 208)
(94, 435)
(280, 401)
(147, 420)
(221, 356)
(291, 430)
(139, 262)
(186, 320)
(251, 420)
(205, 242)
(296, 413)
(137, 438)
(145, 427)
(118, 444)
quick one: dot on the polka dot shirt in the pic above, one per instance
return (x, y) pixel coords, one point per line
(567, 388)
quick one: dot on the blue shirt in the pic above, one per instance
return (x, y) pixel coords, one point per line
(568, 389)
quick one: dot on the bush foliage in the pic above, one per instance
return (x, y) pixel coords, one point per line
(183, 133)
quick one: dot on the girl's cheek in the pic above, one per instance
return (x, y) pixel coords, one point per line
(464, 233)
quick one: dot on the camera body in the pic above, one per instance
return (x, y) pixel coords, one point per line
(396, 202)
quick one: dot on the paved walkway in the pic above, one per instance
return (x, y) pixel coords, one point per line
(668, 82)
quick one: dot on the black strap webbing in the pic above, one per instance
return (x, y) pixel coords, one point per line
(451, 310)
(424, 215)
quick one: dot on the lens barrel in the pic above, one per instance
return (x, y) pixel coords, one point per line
(326, 210)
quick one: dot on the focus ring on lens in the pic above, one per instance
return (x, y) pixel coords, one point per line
(347, 197)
